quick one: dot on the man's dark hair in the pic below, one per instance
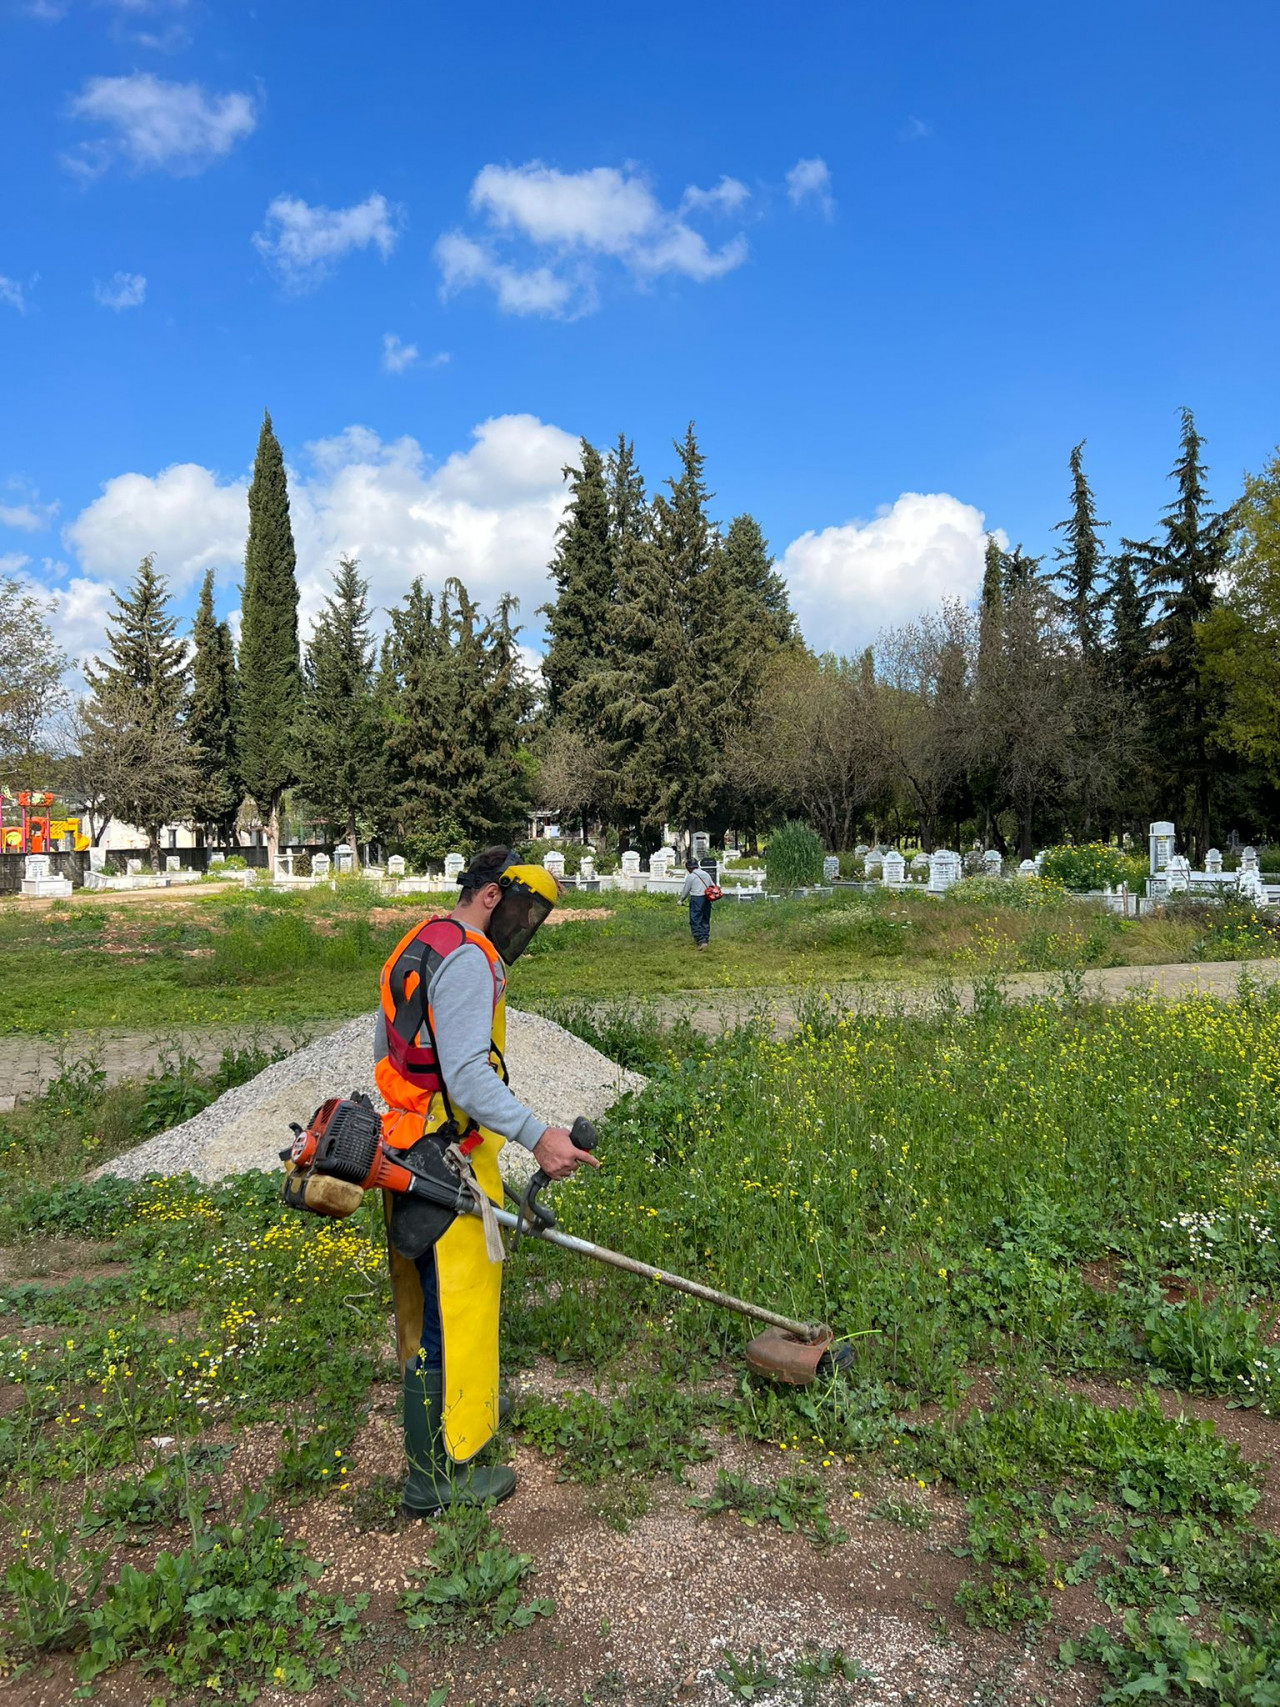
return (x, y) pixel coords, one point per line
(486, 867)
(691, 864)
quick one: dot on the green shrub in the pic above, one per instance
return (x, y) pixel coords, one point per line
(793, 857)
(1093, 866)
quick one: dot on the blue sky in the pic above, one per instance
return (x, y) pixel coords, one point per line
(895, 260)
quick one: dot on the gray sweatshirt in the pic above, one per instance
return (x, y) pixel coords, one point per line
(695, 883)
(461, 998)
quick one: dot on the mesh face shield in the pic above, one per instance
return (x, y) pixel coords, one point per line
(515, 919)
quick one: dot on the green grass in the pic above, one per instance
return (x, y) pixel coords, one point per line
(1004, 1195)
(262, 958)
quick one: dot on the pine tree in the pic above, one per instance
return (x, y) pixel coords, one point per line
(1082, 560)
(461, 708)
(757, 592)
(211, 721)
(339, 739)
(1182, 572)
(270, 676)
(411, 697)
(983, 762)
(579, 620)
(134, 718)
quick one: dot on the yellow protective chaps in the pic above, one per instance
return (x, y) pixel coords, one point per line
(470, 1288)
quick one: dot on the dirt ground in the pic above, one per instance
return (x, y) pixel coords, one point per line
(645, 1617)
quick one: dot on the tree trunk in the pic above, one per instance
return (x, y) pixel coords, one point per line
(352, 843)
(153, 846)
(273, 833)
(1025, 821)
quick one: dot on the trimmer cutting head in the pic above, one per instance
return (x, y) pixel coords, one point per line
(794, 1361)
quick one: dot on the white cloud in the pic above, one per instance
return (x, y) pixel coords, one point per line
(152, 124)
(185, 515)
(122, 290)
(31, 518)
(535, 290)
(13, 562)
(915, 130)
(568, 221)
(810, 180)
(397, 357)
(302, 243)
(12, 294)
(727, 197)
(487, 514)
(848, 582)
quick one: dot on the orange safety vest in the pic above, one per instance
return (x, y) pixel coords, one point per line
(408, 1074)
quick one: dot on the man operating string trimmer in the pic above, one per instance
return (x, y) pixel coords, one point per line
(439, 1048)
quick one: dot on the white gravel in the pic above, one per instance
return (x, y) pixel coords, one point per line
(555, 1073)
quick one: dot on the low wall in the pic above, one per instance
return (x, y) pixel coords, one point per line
(13, 868)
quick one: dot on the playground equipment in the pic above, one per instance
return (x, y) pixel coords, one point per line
(38, 831)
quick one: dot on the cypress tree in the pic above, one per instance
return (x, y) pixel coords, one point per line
(578, 622)
(339, 738)
(135, 735)
(1081, 561)
(270, 676)
(1182, 573)
(212, 718)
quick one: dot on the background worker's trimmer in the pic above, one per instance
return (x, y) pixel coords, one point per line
(342, 1145)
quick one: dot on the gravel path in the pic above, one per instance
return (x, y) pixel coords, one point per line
(551, 1070)
(718, 1009)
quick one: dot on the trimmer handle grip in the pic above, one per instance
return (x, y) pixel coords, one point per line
(583, 1136)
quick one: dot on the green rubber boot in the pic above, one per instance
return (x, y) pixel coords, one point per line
(434, 1479)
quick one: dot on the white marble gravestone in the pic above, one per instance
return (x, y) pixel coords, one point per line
(944, 870)
(453, 864)
(892, 869)
(395, 866)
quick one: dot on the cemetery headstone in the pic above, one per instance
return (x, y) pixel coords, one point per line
(1160, 845)
(1027, 868)
(217, 859)
(133, 867)
(395, 866)
(1178, 874)
(830, 868)
(320, 865)
(701, 844)
(892, 869)
(172, 862)
(284, 862)
(1248, 859)
(631, 863)
(1213, 862)
(873, 861)
(554, 863)
(343, 858)
(453, 864)
(993, 864)
(862, 850)
(37, 868)
(98, 859)
(920, 864)
(587, 869)
(944, 870)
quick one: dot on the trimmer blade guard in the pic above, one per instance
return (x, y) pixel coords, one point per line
(783, 1357)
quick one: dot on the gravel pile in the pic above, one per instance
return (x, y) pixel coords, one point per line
(555, 1073)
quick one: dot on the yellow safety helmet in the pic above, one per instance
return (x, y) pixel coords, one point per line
(529, 892)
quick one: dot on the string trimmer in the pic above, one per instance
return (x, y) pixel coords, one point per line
(342, 1145)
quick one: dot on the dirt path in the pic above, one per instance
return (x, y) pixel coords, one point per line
(717, 1009)
(28, 1063)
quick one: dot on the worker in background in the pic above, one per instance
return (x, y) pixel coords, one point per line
(439, 1046)
(694, 891)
